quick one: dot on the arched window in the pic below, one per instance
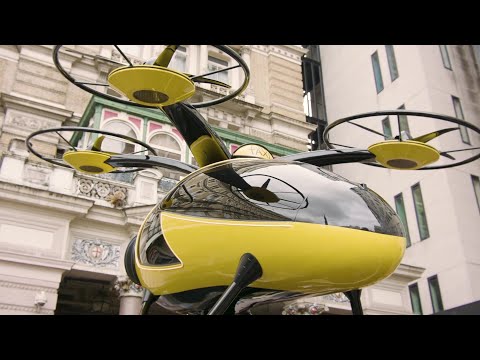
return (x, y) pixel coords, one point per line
(166, 146)
(118, 146)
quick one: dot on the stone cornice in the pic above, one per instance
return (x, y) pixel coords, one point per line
(21, 103)
(277, 117)
(13, 285)
(408, 272)
(27, 309)
(44, 198)
(106, 214)
(36, 260)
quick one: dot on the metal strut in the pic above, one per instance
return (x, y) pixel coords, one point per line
(248, 271)
(355, 302)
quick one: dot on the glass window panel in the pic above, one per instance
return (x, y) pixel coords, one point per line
(476, 188)
(387, 128)
(215, 64)
(118, 146)
(377, 72)
(436, 296)
(445, 57)
(459, 114)
(392, 62)
(415, 299)
(420, 212)
(403, 121)
(400, 208)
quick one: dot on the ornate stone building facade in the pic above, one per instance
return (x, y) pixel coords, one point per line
(63, 233)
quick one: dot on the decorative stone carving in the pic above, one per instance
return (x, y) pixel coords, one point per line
(95, 253)
(304, 308)
(117, 195)
(126, 287)
(116, 56)
(337, 297)
(30, 123)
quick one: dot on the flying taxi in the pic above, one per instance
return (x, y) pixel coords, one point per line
(247, 228)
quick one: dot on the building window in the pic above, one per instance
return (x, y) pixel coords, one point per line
(179, 60)
(165, 145)
(459, 114)
(392, 62)
(435, 294)
(420, 212)
(377, 72)
(445, 57)
(400, 208)
(415, 299)
(215, 64)
(387, 128)
(118, 146)
(403, 121)
(476, 188)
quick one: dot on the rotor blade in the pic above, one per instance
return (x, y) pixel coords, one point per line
(330, 157)
(90, 83)
(166, 56)
(209, 81)
(446, 152)
(264, 186)
(447, 156)
(350, 147)
(124, 56)
(214, 72)
(430, 136)
(203, 141)
(68, 142)
(149, 162)
(368, 129)
(97, 145)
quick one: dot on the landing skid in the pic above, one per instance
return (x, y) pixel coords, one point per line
(355, 302)
(248, 271)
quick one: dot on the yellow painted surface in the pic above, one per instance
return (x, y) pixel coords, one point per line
(310, 258)
(82, 158)
(418, 152)
(175, 85)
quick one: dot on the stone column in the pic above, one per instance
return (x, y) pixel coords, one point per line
(245, 51)
(130, 295)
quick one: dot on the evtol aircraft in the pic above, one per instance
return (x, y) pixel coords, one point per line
(244, 229)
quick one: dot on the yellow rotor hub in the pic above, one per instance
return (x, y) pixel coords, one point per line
(404, 155)
(90, 162)
(151, 85)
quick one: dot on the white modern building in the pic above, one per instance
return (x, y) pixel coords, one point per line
(63, 233)
(440, 208)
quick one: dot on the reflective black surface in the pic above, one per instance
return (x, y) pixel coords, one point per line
(276, 190)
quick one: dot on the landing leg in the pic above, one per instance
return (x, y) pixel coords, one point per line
(355, 303)
(148, 300)
(248, 271)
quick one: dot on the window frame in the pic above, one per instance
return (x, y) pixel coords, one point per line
(447, 64)
(422, 236)
(432, 283)
(411, 289)
(405, 223)
(379, 85)
(476, 179)
(392, 62)
(459, 114)
(386, 121)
